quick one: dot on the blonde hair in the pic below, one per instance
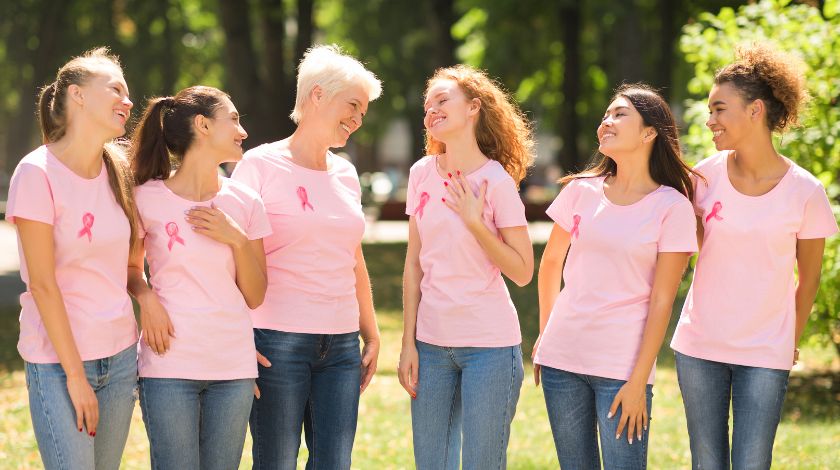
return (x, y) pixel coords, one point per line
(52, 115)
(334, 71)
(502, 131)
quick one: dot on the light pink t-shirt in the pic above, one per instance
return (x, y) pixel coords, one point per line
(194, 277)
(741, 307)
(318, 225)
(91, 235)
(464, 301)
(598, 319)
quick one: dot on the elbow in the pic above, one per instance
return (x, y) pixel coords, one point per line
(523, 279)
(254, 301)
(42, 289)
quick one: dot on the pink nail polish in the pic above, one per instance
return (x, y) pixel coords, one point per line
(459, 172)
(449, 174)
(446, 183)
(443, 199)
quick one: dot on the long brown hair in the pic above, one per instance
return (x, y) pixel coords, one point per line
(666, 165)
(502, 131)
(52, 116)
(165, 131)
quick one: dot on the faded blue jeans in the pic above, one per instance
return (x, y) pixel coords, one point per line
(757, 395)
(578, 405)
(196, 424)
(313, 382)
(466, 399)
(62, 446)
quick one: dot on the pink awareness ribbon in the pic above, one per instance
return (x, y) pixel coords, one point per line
(424, 199)
(575, 233)
(87, 223)
(172, 231)
(715, 214)
(304, 199)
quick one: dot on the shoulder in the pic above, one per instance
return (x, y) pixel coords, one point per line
(341, 164)
(239, 189)
(147, 189)
(803, 179)
(424, 164)
(584, 185)
(712, 163)
(670, 197)
(36, 160)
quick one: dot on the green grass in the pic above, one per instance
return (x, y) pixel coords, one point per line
(808, 437)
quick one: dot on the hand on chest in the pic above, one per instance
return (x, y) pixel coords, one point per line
(432, 214)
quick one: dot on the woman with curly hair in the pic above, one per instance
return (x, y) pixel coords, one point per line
(759, 217)
(461, 361)
(623, 233)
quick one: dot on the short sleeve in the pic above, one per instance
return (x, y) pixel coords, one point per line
(258, 224)
(247, 171)
(679, 229)
(701, 185)
(818, 219)
(508, 209)
(30, 195)
(411, 191)
(560, 211)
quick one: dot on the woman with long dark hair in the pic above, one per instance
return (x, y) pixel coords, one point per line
(629, 229)
(72, 203)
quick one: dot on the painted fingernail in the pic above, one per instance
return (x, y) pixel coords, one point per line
(446, 183)
(458, 172)
(80, 429)
(449, 174)
(443, 199)
(617, 436)
(630, 441)
(609, 415)
(91, 434)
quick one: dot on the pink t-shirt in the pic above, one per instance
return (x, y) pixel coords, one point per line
(598, 319)
(741, 306)
(318, 225)
(91, 235)
(194, 277)
(464, 301)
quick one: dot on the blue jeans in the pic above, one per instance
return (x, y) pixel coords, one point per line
(62, 446)
(465, 394)
(195, 424)
(577, 411)
(313, 382)
(757, 395)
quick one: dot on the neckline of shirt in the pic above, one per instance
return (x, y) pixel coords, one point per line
(102, 172)
(175, 195)
(332, 165)
(437, 169)
(773, 190)
(628, 206)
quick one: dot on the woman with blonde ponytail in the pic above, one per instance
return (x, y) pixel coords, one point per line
(71, 200)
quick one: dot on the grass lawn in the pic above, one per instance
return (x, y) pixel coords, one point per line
(808, 438)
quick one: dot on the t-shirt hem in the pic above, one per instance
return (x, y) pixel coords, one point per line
(688, 351)
(307, 330)
(580, 370)
(243, 376)
(444, 343)
(87, 356)
(12, 218)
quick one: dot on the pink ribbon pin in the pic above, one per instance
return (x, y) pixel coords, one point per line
(172, 231)
(87, 223)
(576, 227)
(424, 199)
(715, 214)
(304, 199)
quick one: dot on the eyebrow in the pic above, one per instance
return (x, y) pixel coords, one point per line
(618, 107)
(433, 97)
(716, 102)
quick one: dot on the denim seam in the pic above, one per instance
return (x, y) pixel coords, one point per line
(507, 408)
(449, 428)
(147, 421)
(313, 454)
(48, 416)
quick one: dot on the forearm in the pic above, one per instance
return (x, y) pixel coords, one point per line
(806, 293)
(368, 327)
(50, 305)
(505, 257)
(549, 279)
(652, 337)
(412, 276)
(250, 277)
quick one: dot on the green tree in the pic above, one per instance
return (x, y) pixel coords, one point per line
(814, 34)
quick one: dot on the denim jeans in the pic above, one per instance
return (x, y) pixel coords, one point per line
(465, 395)
(577, 406)
(313, 382)
(62, 446)
(196, 424)
(757, 395)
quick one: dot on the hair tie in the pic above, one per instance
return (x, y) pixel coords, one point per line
(168, 102)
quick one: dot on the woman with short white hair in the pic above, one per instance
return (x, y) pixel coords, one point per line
(318, 299)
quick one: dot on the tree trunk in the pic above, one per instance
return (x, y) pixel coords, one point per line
(667, 14)
(440, 17)
(570, 19)
(631, 61)
(280, 84)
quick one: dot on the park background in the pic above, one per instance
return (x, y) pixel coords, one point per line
(561, 59)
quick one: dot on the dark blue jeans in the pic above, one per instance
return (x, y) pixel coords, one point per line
(313, 382)
(756, 394)
(195, 424)
(577, 411)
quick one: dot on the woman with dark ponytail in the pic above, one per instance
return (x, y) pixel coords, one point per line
(202, 236)
(760, 216)
(71, 200)
(628, 228)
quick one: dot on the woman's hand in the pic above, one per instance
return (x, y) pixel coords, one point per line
(370, 357)
(408, 369)
(536, 366)
(263, 361)
(462, 200)
(84, 403)
(214, 223)
(634, 414)
(157, 328)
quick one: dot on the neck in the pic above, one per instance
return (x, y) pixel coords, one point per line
(80, 152)
(757, 157)
(463, 154)
(633, 172)
(308, 147)
(197, 179)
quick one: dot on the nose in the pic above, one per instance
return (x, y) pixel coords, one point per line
(243, 132)
(127, 102)
(710, 121)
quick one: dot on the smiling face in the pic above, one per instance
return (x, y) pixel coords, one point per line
(225, 132)
(622, 129)
(731, 118)
(104, 101)
(448, 110)
(339, 116)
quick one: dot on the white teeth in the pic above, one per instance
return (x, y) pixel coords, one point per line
(437, 120)
(717, 133)
(346, 128)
